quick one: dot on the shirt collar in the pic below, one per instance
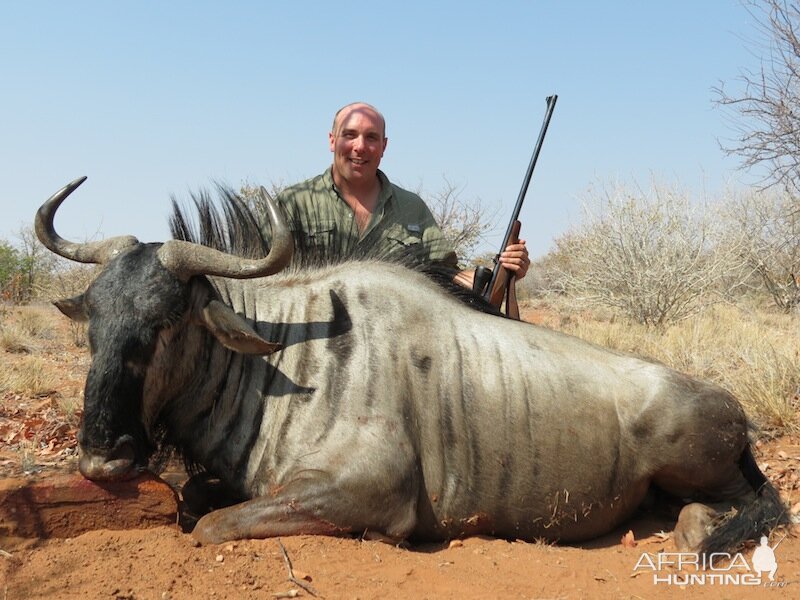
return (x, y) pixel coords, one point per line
(383, 198)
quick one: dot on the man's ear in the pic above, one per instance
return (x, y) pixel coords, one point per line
(233, 331)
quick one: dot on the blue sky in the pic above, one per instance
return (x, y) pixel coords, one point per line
(150, 99)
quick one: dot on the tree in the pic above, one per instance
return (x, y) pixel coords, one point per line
(251, 195)
(769, 226)
(651, 254)
(463, 223)
(9, 268)
(36, 263)
(766, 110)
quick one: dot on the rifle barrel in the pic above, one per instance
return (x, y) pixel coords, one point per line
(551, 104)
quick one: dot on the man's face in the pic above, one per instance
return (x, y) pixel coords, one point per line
(357, 143)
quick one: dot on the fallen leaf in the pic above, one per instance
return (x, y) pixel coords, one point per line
(628, 541)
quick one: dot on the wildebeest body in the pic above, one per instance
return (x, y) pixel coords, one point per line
(364, 397)
(502, 429)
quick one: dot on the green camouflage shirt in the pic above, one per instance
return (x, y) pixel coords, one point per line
(401, 223)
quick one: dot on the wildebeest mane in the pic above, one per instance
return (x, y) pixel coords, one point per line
(230, 225)
(227, 225)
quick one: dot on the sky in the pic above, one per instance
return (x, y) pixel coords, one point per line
(156, 99)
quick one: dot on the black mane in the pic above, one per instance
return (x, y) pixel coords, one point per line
(230, 225)
(227, 225)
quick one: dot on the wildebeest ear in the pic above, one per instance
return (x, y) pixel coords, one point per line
(73, 308)
(233, 331)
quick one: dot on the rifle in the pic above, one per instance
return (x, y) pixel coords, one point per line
(498, 283)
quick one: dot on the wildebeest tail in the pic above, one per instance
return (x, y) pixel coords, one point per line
(752, 520)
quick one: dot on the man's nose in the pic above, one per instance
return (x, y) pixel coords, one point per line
(358, 143)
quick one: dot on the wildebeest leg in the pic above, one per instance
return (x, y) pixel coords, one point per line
(262, 518)
(758, 509)
(204, 492)
(697, 520)
(265, 517)
(328, 511)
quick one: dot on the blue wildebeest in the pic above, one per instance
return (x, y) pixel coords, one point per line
(366, 397)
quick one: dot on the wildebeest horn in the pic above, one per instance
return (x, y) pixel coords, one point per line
(185, 259)
(87, 252)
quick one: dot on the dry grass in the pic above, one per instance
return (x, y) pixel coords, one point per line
(14, 340)
(34, 321)
(754, 354)
(24, 329)
(70, 409)
(28, 377)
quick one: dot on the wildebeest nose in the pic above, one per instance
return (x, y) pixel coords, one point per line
(117, 464)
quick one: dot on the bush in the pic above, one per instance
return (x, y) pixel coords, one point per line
(653, 255)
(769, 226)
(10, 267)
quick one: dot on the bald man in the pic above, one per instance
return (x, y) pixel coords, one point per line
(354, 204)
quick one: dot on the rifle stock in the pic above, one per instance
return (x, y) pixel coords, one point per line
(501, 284)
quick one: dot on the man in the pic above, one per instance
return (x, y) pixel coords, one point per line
(354, 204)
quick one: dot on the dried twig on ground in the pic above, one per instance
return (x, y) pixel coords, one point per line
(292, 578)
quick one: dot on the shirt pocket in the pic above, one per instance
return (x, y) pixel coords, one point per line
(405, 235)
(320, 235)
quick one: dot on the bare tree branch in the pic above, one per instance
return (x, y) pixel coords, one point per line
(764, 113)
(769, 225)
(464, 223)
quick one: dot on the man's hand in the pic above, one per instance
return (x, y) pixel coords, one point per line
(515, 259)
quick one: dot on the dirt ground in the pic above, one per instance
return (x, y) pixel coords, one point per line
(166, 563)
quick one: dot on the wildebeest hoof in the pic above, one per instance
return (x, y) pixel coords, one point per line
(694, 524)
(206, 533)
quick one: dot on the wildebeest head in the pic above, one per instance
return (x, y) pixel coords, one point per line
(144, 291)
